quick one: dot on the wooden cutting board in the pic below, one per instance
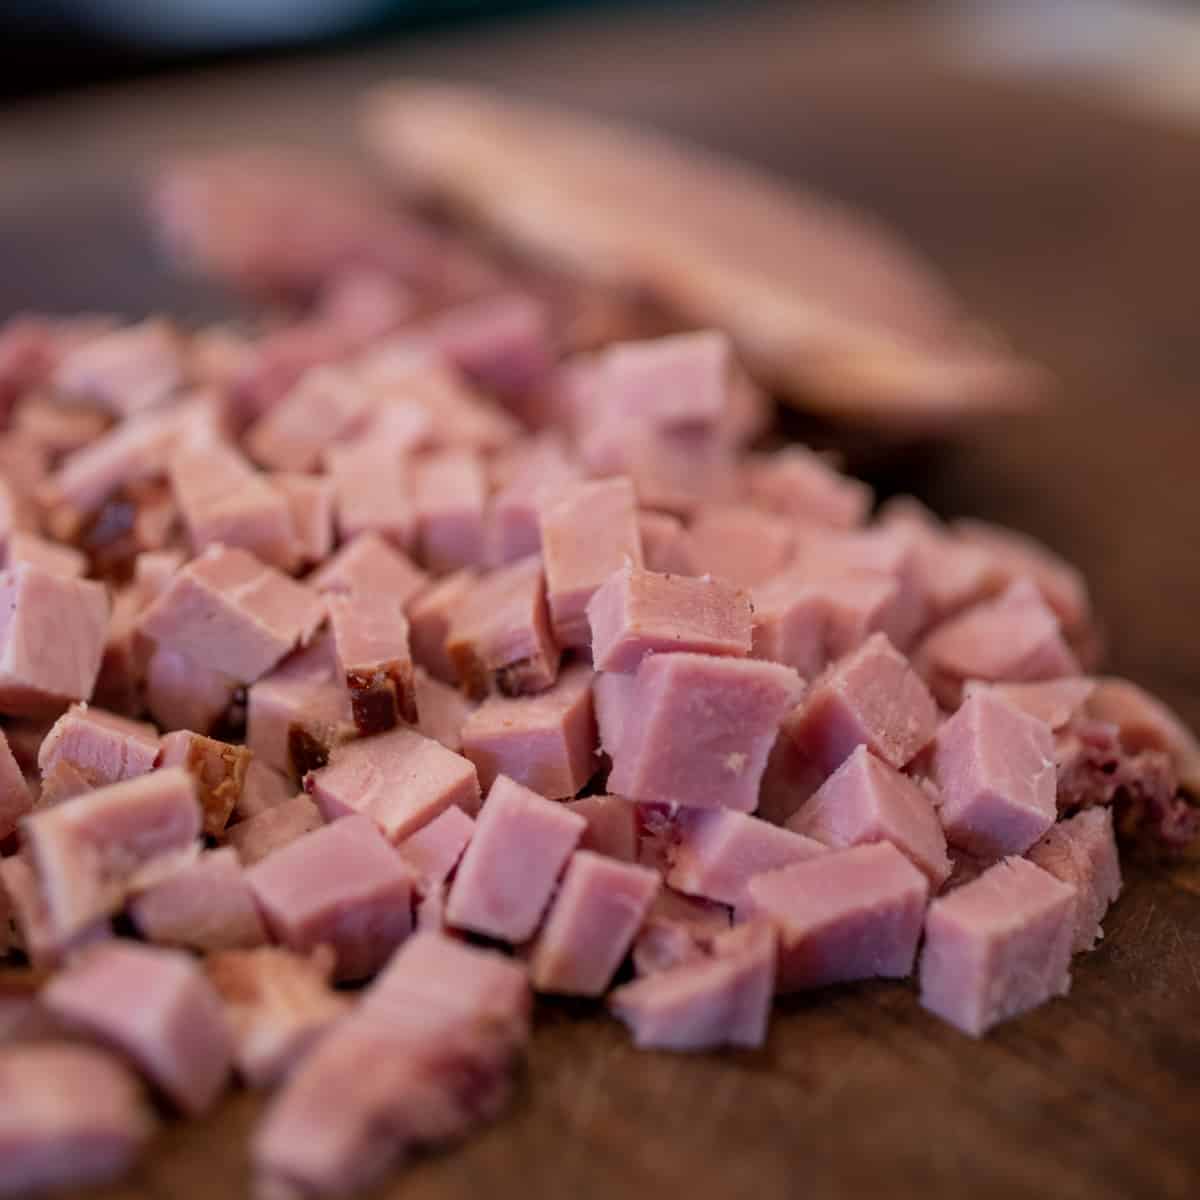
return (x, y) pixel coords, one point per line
(1064, 220)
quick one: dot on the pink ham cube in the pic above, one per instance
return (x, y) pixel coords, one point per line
(513, 527)
(998, 946)
(52, 633)
(1056, 702)
(218, 769)
(401, 780)
(742, 545)
(182, 694)
(791, 623)
(15, 798)
(636, 612)
(995, 768)
(612, 826)
(369, 564)
(34, 932)
(280, 825)
(102, 747)
(546, 742)
(678, 929)
(430, 616)
(666, 547)
(591, 925)
(342, 885)
(155, 1006)
(521, 843)
(1082, 851)
(499, 635)
(434, 850)
(721, 999)
(263, 788)
(233, 614)
(371, 489)
(370, 638)
(871, 697)
(450, 493)
(613, 700)
(587, 533)
(124, 370)
(738, 703)
(865, 800)
(310, 506)
(797, 483)
(442, 710)
(716, 853)
(845, 915)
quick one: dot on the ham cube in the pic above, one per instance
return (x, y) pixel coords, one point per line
(450, 494)
(370, 638)
(799, 484)
(612, 826)
(678, 929)
(738, 703)
(871, 697)
(102, 747)
(52, 633)
(50, 556)
(340, 885)
(205, 905)
(88, 852)
(865, 800)
(791, 623)
(233, 613)
(182, 694)
(1055, 702)
(156, 1007)
(521, 843)
(499, 635)
(636, 613)
(513, 525)
(218, 768)
(591, 925)
(369, 564)
(995, 768)
(310, 507)
(719, 1000)
(546, 742)
(280, 825)
(430, 616)
(716, 853)
(666, 546)
(44, 944)
(845, 915)
(263, 787)
(740, 544)
(587, 533)
(278, 1004)
(998, 946)
(73, 1117)
(123, 371)
(401, 780)
(442, 710)
(434, 850)
(1082, 851)
(371, 487)
(15, 797)
(613, 697)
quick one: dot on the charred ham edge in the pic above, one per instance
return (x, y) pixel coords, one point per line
(380, 698)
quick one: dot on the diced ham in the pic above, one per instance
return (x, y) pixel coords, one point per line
(666, 546)
(400, 779)
(434, 850)
(587, 533)
(871, 697)
(737, 702)
(310, 507)
(88, 852)
(803, 486)
(50, 556)
(341, 885)
(233, 613)
(590, 927)
(44, 943)
(513, 527)
(124, 371)
(718, 1000)
(994, 766)
(546, 742)
(505, 879)
(442, 710)
(845, 915)
(430, 916)
(998, 946)
(450, 494)
(52, 634)
(370, 639)
(740, 544)
(613, 700)
(371, 487)
(72, 1117)
(1056, 702)
(182, 694)
(791, 623)
(218, 768)
(430, 616)
(15, 797)
(865, 800)
(369, 564)
(276, 827)
(263, 787)
(278, 1004)
(678, 929)
(205, 905)
(612, 826)
(1082, 851)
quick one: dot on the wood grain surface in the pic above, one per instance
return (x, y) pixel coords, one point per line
(1071, 225)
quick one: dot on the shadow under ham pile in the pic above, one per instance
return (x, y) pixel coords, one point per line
(369, 671)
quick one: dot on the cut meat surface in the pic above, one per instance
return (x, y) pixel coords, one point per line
(218, 768)
(1056, 702)
(678, 929)
(34, 932)
(434, 850)
(372, 492)
(791, 623)
(183, 694)
(450, 495)
(442, 710)
(370, 639)
(280, 825)
(612, 826)
(102, 747)
(799, 484)
(264, 787)
(742, 545)
(310, 507)
(368, 564)
(430, 616)
(666, 546)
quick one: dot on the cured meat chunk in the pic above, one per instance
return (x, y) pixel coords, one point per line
(591, 925)
(738, 703)
(791, 623)
(1082, 851)
(865, 800)
(123, 371)
(233, 613)
(430, 616)
(50, 556)
(716, 853)
(722, 999)
(998, 946)
(400, 779)
(434, 850)
(678, 929)
(995, 768)
(101, 747)
(263, 788)
(637, 612)
(844, 915)
(15, 797)
(88, 852)
(52, 633)
(278, 826)
(205, 905)
(72, 1117)
(612, 826)
(182, 694)
(546, 742)
(499, 633)
(442, 710)
(797, 483)
(450, 492)
(277, 1003)
(155, 1006)
(871, 697)
(310, 507)
(218, 768)
(666, 546)
(43, 943)
(340, 885)
(613, 697)
(740, 544)
(513, 526)
(369, 564)
(371, 487)
(587, 533)
(370, 638)
(521, 843)
(1056, 702)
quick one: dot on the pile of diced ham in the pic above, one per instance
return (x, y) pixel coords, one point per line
(365, 675)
